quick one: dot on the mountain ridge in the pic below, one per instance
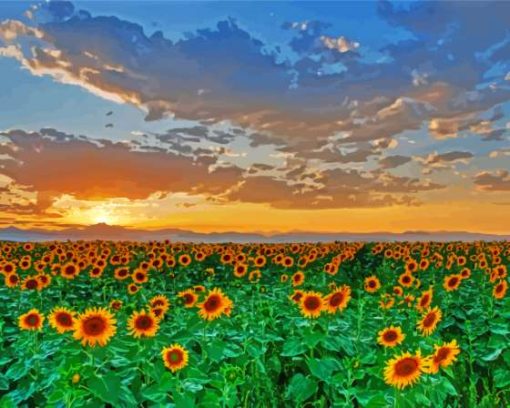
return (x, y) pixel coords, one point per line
(118, 233)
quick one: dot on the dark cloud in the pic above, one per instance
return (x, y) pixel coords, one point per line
(493, 181)
(391, 162)
(88, 170)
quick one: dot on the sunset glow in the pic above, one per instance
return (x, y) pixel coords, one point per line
(332, 117)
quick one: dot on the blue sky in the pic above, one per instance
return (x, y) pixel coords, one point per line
(267, 107)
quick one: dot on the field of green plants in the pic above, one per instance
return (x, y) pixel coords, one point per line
(91, 324)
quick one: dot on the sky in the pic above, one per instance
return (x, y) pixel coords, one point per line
(256, 116)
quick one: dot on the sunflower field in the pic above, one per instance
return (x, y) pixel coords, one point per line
(161, 324)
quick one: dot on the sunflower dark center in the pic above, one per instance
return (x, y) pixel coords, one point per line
(312, 303)
(336, 299)
(175, 356)
(69, 270)
(32, 320)
(94, 326)
(406, 366)
(442, 354)
(143, 322)
(390, 335)
(31, 284)
(429, 320)
(212, 303)
(64, 319)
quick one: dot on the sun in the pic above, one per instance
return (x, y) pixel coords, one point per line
(101, 215)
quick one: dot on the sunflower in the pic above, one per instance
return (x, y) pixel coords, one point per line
(139, 276)
(189, 298)
(31, 283)
(452, 282)
(175, 357)
(390, 336)
(32, 320)
(9, 267)
(425, 299)
(337, 300)
(443, 356)
(96, 272)
(296, 296)
(465, 273)
(404, 370)
(397, 290)
(158, 312)
(372, 284)
(121, 273)
(406, 279)
(11, 280)
(160, 301)
(94, 326)
(387, 301)
(62, 319)
(132, 288)
(184, 260)
(116, 304)
(44, 280)
(288, 262)
(260, 261)
(298, 278)
(143, 324)
(284, 278)
(69, 270)
(240, 270)
(311, 304)
(254, 276)
(213, 305)
(500, 289)
(429, 321)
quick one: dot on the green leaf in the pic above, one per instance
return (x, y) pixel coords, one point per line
(7, 402)
(322, 368)
(446, 387)
(377, 401)
(492, 356)
(18, 370)
(313, 338)
(301, 388)
(293, 347)
(106, 388)
(4, 383)
(183, 400)
(501, 378)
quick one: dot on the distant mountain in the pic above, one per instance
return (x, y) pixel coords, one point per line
(116, 233)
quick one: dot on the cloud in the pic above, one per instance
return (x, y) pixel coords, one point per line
(336, 188)
(391, 162)
(60, 164)
(322, 110)
(493, 181)
(340, 44)
(226, 73)
(444, 161)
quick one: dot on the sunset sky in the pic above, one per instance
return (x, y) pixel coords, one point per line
(256, 116)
